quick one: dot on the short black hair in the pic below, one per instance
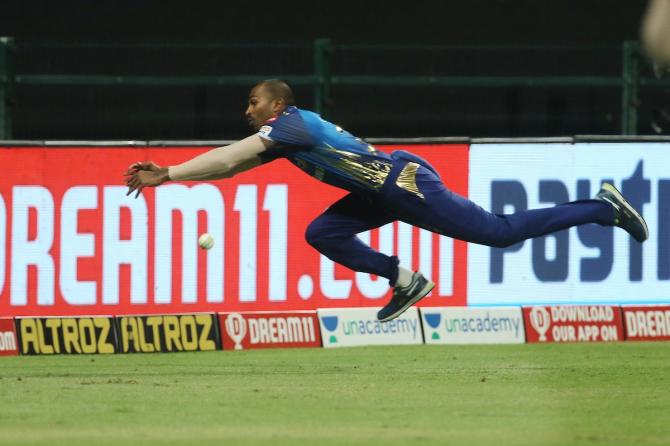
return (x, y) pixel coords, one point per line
(278, 89)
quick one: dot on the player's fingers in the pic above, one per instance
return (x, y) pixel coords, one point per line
(135, 166)
(131, 182)
(145, 165)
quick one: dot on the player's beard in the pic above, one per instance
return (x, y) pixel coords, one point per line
(253, 123)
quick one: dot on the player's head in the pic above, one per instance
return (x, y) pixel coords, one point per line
(267, 99)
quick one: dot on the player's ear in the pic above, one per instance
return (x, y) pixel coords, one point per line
(278, 105)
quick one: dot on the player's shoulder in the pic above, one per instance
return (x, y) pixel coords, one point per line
(292, 116)
(289, 114)
(292, 126)
(291, 111)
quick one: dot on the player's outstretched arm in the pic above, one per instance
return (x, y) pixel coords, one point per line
(221, 162)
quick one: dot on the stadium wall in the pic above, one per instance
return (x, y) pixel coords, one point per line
(73, 244)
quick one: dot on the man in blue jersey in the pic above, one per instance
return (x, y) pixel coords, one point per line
(383, 188)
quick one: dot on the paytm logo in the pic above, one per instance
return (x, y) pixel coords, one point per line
(552, 265)
(588, 263)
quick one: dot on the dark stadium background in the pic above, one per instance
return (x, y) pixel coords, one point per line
(462, 38)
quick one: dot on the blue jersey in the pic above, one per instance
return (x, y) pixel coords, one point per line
(325, 151)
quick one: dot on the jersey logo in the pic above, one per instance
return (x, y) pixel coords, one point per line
(265, 130)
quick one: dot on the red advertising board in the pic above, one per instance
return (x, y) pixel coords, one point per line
(573, 323)
(73, 243)
(9, 345)
(647, 323)
(269, 330)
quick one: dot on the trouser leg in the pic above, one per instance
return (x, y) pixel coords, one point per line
(333, 234)
(452, 215)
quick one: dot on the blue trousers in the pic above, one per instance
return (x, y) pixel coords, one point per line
(440, 210)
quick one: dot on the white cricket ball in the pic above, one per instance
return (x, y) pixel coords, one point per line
(206, 241)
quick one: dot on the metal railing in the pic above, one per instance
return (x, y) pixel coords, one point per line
(322, 79)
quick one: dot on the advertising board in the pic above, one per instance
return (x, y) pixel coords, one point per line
(573, 323)
(346, 327)
(77, 245)
(66, 335)
(269, 330)
(167, 333)
(462, 325)
(587, 264)
(647, 323)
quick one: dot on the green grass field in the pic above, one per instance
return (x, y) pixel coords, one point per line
(613, 394)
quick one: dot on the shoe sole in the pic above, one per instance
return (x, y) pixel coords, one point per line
(613, 190)
(425, 290)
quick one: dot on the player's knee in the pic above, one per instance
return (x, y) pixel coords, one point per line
(314, 234)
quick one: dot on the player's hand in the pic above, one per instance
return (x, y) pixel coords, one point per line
(142, 165)
(143, 174)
